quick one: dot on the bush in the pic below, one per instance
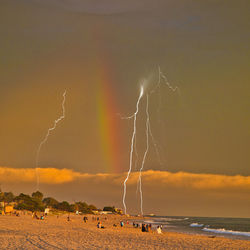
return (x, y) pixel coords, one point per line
(111, 209)
(50, 202)
(25, 202)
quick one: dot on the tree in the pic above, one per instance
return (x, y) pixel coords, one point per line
(50, 202)
(1, 195)
(22, 197)
(92, 207)
(64, 206)
(38, 195)
(8, 197)
(25, 202)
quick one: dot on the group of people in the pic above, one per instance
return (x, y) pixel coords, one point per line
(144, 227)
(35, 216)
(147, 227)
(121, 224)
(99, 225)
(94, 218)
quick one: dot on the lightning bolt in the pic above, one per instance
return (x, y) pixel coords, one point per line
(145, 155)
(132, 148)
(149, 131)
(161, 79)
(166, 82)
(47, 135)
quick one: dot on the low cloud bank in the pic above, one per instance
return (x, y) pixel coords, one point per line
(150, 178)
(164, 193)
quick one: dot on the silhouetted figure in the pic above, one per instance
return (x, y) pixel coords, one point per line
(85, 218)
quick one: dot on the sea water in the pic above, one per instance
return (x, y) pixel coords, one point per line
(237, 228)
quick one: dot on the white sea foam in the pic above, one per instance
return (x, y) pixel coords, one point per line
(196, 225)
(224, 231)
(171, 219)
(156, 222)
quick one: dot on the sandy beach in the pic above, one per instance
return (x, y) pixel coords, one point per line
(57, 233)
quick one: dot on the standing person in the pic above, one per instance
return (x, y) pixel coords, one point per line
(121, 223)
(158, 230)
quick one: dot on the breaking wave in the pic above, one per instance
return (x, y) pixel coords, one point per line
(196, 225)
(224, 231)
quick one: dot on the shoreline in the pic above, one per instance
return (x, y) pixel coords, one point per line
(57, 233)
(193, 230)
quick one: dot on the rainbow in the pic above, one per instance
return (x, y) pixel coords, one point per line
(107, 120)
(106, 103)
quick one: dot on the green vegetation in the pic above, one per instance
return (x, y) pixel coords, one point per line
(110, 209)
(6, 197)
(35, 202)
(25, 202)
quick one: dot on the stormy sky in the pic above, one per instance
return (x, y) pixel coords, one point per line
(99, 51)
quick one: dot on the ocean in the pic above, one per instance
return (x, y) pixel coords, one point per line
(237, 228)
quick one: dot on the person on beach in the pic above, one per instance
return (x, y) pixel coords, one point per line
(99, 225)
(121, 223)
(35, 216)
(143, 228)
(158, 230)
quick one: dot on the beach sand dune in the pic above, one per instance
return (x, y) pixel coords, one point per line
(57, 233)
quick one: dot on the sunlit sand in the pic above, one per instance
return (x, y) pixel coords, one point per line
(58, 233)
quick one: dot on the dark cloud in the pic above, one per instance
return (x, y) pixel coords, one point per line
(99, 51)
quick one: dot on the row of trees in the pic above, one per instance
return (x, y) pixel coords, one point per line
(36, 202)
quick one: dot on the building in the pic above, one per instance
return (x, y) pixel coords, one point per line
(8, 209)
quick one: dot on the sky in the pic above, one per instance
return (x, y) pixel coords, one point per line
(100, 52)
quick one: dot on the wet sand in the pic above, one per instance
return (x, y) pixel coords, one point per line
(57, 233)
